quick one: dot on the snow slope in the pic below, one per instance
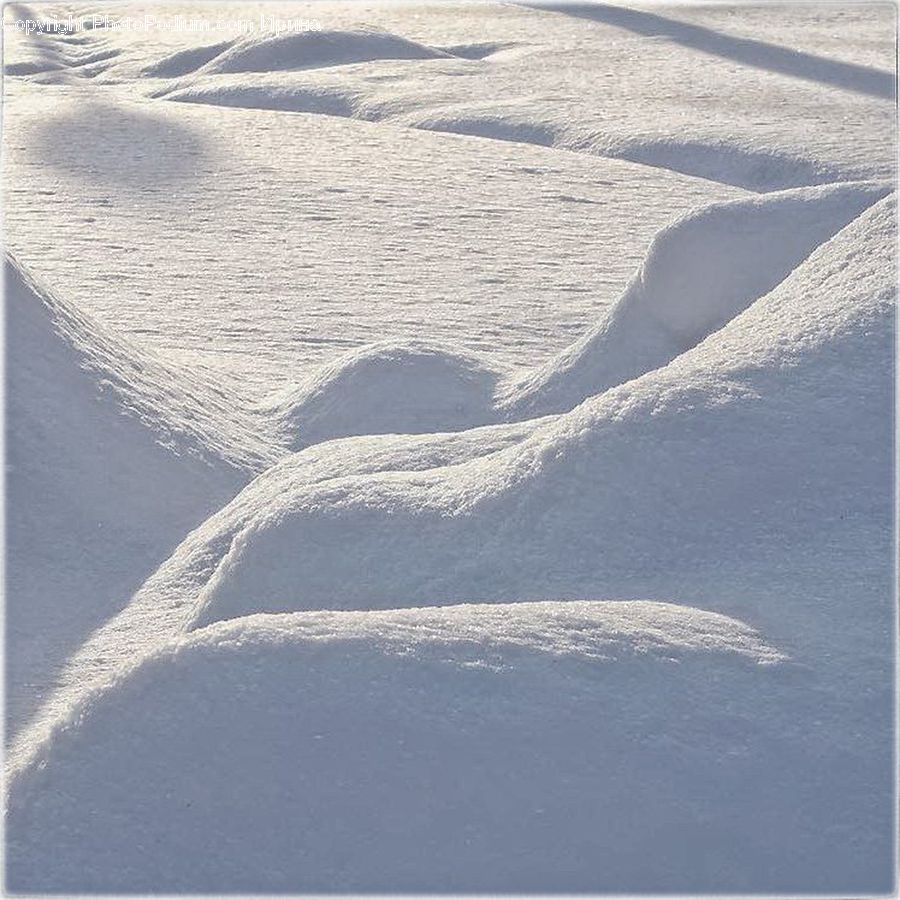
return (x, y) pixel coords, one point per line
(374, 738)
(628, 84)
(111, 456)
(247, 656)
(534, 747)
(750, 476)
(724, 432)
(699, 273)
(378, 245)
(710, 482)
(490, 256)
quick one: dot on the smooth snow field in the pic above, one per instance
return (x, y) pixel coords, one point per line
(450, 448)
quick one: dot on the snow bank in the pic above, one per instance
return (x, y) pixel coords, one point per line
(753, 438)
(319, 100)
(404, 388)
(164, 604)
(729, 162)
(531, 746)
(295, 50)
(110, 457)
(534, 747)
(698, 274)
(726, 160)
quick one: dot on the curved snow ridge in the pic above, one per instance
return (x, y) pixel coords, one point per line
(722, 432)
(494, 126)
(292, 51)
(609, 630)
(317, 99)
(53, 56)
(403, 388)
(698, 274)
(183, 62)
(160, 610)
(177, 759)
(757, 168)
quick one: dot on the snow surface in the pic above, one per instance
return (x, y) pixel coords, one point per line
(722, 432)
(111, 456)
(452, 450)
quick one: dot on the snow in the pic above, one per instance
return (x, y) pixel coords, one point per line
(699, 273)
(376, 735)
(113, 456)
(312, 49)
(451, 449)
(712, 430)
(383, 388)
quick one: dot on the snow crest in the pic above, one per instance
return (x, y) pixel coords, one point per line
(397, 746)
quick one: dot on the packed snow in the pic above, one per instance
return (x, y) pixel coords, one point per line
(450, 448)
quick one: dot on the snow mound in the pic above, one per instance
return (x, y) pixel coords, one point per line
(164, 604)
(723, 433)
(480, 49)
(110, 457)
(409, 388)
(462, 749)
(314, 49)
(698, 274)
(182, 62)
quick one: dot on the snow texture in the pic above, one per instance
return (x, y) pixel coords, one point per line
(451, 449)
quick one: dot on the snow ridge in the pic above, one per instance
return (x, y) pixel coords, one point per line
(115, 456)
(481, 529)
(699, 273)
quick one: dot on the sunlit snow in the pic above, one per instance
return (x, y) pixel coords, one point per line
(449, 447)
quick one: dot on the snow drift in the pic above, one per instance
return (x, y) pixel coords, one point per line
(265, 52)
(529, 746)
(403, 388)
(184, 61)
(729, 160)
(258, 714)
(110, 457)
(699, 273)
(753, 438)
(535, 747)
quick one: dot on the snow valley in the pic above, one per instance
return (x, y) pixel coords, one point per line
(449, 448)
